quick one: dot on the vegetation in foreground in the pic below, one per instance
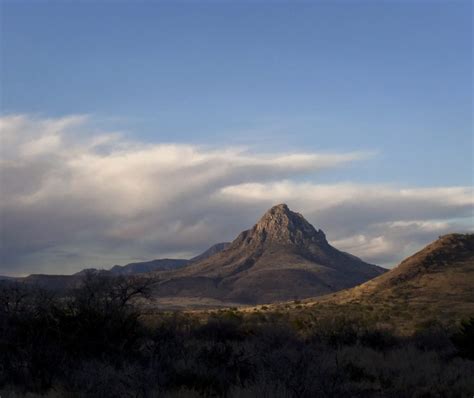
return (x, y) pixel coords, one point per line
(95, 343)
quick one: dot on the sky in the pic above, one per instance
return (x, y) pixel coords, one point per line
(140, 130)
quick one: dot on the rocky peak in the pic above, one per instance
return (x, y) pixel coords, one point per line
(281, 225)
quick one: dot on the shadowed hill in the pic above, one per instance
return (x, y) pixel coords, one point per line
(64, 282)
(163, 264)
(435, 284)
(442, 270)
(214, 249)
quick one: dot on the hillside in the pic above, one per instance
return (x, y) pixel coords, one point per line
(441, 272)
(282, 257)
(163, 264)
(435, 284)
(214, 249)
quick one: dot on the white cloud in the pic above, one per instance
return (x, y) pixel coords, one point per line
(73, 196)
(380, 223)
(367, 246)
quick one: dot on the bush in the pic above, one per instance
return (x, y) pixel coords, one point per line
(464, 339)
(94, 343)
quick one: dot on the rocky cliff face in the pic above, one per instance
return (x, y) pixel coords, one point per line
(281, 226)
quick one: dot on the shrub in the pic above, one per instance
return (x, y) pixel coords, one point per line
(464, 339)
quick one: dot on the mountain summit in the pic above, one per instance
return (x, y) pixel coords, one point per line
(280, 225)
(281, 257)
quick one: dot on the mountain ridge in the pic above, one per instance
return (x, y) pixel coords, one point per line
(216, 248)
(64, 282)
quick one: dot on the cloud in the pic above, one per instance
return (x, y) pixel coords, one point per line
(380, 223)
(74, 196)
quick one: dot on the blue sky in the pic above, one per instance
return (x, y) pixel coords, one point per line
(386, 81)
(392, 76)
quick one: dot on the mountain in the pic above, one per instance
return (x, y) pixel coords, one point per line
(282, 257)
(434, 284)
(164, 264)
(51, 282)
(440, 272)
(214, 249)
(64, 282)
